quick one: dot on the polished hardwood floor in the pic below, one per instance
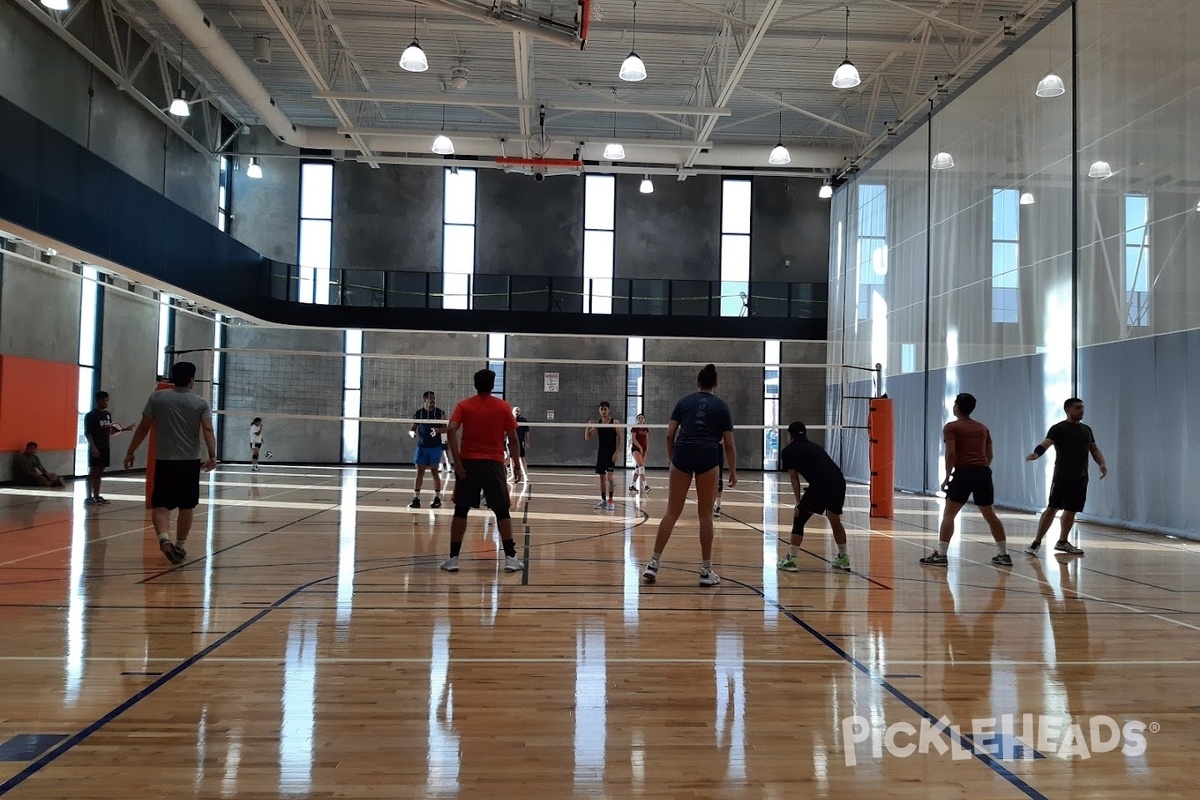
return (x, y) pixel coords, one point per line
(309, 646)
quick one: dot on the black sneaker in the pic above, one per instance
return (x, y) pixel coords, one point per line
(1004, 560)
(437, 503)
(1068, 548)
(935, 559)
(173, 552)
(416, 503)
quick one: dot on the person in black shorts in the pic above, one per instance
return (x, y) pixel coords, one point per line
(523, 440)
(97, 428)
(608, 449)
(700, 426)
(1072, 442)
(968, 474)
(825, 494)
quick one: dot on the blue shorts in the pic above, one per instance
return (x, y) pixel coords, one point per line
(428, 456)
(696, 462)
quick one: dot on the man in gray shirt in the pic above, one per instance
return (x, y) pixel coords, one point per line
(180, 419)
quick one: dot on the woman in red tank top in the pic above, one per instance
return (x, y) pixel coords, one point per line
(639, 442)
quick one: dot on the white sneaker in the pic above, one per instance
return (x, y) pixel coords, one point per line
(610, 506)
(717, 510)
(601, 506)
(450, 564)
(650, 575)
(709, 578)
(1032, 550)
(513, 564)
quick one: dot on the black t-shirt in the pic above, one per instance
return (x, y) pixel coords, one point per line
(1072, 443)
(606, 439)
(429, 435)
(98, 425)
(703, 419)
(522, 430)
(813, 463)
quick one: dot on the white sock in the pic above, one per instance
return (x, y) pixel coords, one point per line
(1002, 547)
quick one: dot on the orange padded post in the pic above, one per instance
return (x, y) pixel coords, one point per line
(881, 433)
(150, 449)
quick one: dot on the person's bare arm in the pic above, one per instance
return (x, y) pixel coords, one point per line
(951, 461)
(672, 429)
(1040, 449)
(795, 478)
(589, 431)
(514, 453)
(452, 440)
(143, 430)
(620, 438)
(989, 450)
(1099, 457)
(731, 459)
(210, 443)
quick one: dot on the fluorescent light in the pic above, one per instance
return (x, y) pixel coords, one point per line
(647, 186)
(443, 146)
(943, 160)
(1027, 199)
(56, 5)
(847, 76)
(254, 170)
(179, 107)
(1050, 86)
(1100, 169)
(413, 59)
(826, 191)
(779, 155)
(613, 151)
(632, 69)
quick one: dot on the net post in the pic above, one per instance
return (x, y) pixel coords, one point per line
(162, 385)
(882, 451)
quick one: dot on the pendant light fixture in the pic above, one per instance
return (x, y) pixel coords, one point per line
(1100, 169)
(614, 150)
(943, 160)
(413, 59)
(1027, 199)
(254, 170)
(780, 155)
(647, 186)
(847, 76)
(1050, 86)
(826, 190)
(56, 5)
(633, 69)
(442, 144)
(179, 105)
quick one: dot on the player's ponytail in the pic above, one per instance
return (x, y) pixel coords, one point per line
(707, 379)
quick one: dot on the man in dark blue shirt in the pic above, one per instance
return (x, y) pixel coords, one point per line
(826, 493)
(97, 428)
(429, 449)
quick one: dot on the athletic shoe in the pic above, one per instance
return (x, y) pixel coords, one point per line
(633, 490)
(650, 574)
(841, 562)
(935, 559)
(437, 502)
(173, 553)
(645, 488)
(92, 501)
(601, 506)
(1002, 560)
(709, 578)
(1032, 550)
(254, 468)
(788, 564)
(416, 503)
(450, 564)
(610, 506)
(1068, 548)
(513, 564)
(717, 510)
(179, 549)
(102, 501)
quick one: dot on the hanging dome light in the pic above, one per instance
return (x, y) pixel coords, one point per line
(1050, 86)
(779, 156)
(614, 151)
(254, 170)
(633, 69)
(647, 186)
(847, 76)
(56, 5)
(443, 146)
(413, 59)
(1100, 169)
(179, 107)
(1027, 199)
(943, 160)
(826, 191)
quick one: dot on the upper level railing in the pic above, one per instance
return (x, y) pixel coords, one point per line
(569, 295)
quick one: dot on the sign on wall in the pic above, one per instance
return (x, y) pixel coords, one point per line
(551, 382)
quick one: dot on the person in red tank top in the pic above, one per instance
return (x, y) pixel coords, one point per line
(968, 474)
(639, 445)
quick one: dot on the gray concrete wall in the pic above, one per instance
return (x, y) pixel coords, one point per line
(279, 383)
(392, 388)
(266, 211)
(789, 231)
(526, 227)
(673, 233)
(387, 218)
(803, 391)
(128, 361)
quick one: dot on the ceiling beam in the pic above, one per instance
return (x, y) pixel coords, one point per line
(481, 102)
(601, 140)
(933, 17)
(805, 113)
(523, 62)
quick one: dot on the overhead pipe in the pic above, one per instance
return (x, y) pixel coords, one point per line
(513, 19)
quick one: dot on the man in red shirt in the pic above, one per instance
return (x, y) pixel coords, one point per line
(484, 423)
(968, 473)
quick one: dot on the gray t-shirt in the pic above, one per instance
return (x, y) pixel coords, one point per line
(177, 414)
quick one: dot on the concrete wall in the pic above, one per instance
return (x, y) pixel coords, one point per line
(673, 233)
(128, 360)
(266, 211)
(803, 391)
(387, 218)
(789, 231)
(525, 227)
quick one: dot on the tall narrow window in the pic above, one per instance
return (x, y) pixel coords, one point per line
(634, 355)
(89, 346)
(735, 248)
(599, 215)
(771, 353)
(497, 343)
(1137, 259)
(351, 395)
(316, 231)
(166, 324)
(218, 343)
(458, 242)
(1006, 255)
(224, 190)
(872, 246)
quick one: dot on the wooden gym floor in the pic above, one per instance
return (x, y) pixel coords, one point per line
(310, 647)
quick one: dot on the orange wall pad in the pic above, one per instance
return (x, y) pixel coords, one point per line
(38, 404)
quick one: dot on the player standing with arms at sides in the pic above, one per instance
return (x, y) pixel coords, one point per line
(429, 449)
(97, 428)
(701, 425)
(523, 438)
(256, 442)
(968, 475)
(1072, 442)
(826, 493)
(608, 450)
(639, 446)
(484, 422)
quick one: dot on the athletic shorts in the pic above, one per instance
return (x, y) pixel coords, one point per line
(522, 444)
(1068, 494)
(695, 462)
(256, 445)
(819, 500)
(176, 484)
(486, 477)
(101, 460)
(604, 465)
(428, 456)
(971, 480)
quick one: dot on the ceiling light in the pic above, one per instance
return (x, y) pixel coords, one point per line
(179, 107)
(56, 5)
(632, 68)
(443, 146)
(1027, 199)
(779, 156)
(614, 151)
(943, 160)
(254, 170)
(1100, 169)
(647, 186)
(1198, 206)
(1050, 86)
(826, 191)
(413, 59)
(847, 76)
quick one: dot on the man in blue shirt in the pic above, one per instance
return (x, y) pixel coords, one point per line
(429, 449)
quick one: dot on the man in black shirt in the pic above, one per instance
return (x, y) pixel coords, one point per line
(97, 428)
(522, 439)
(1072, 442)
(608, 449)
(826, 493)
(429, 449)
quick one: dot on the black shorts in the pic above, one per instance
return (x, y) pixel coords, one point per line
(604, 465)
(972, 480)
(696, 462)
(176, 484)
(1068, 494)
(522, 448)
(486, 477)
(819, 500)
(101, 460)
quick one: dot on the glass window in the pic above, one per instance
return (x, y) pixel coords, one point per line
(634, 353)
(316, 191)
(598, 271)
(458, 238)
(872, 246)
(599, 208)
(497, 344)
(1006, 255)
(771, 404)
(460, 197)
(735, 275)
(316, 231)
(1137, 259)
(735, 206)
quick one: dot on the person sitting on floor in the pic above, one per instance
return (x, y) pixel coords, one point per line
(28, 469)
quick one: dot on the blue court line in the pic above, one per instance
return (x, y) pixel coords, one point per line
(963, 740)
